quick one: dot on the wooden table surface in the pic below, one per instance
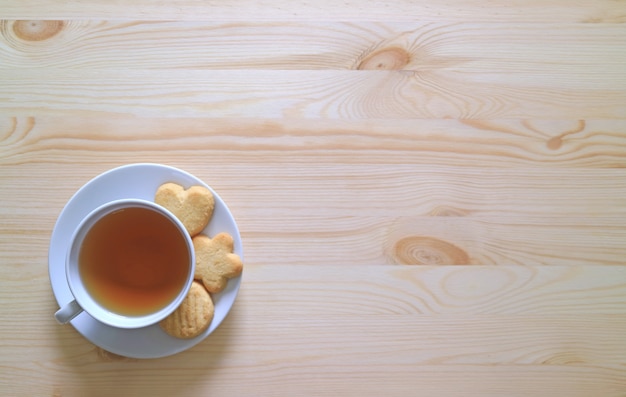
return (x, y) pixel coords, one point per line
(431, 197)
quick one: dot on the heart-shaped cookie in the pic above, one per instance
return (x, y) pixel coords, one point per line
(193, 207)
(215, 261)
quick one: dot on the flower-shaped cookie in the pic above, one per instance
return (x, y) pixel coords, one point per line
(215, 261)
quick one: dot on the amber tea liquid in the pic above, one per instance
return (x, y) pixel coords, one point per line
(134, 261)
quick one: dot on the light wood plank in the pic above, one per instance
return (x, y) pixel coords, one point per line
(340, 352)
(555, 291)
(349, 10)
(419, 340)
(309, 94)
(555, 328)
(347, 380)
(576, 52)
(554, 144)
(431, 240)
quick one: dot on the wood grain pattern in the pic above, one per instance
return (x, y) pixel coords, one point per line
(308, 94)
(430, 194)
(436, 290)
(404, 10)
(437, 144)
(407, 70)
(446, 205)
(447, 323)
(570, 52)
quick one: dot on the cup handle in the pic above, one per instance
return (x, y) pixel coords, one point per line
(65, 314)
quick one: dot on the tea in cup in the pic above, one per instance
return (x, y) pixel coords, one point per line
(130, 264)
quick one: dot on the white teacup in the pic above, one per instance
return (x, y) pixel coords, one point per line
(130, 264)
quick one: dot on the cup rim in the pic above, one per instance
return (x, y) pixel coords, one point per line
(84, 299)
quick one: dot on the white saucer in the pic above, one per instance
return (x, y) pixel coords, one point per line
(134, 181)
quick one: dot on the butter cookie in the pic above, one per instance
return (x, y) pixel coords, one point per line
(193, 316)
(193, 207)
(215, 261)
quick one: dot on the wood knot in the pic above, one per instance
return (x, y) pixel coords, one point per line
(554, 143)
(448, 211)
(393, 58)
(36, 30)
(418, 250)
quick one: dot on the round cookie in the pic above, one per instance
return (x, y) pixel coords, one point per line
(193, 316)
(193, 207)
